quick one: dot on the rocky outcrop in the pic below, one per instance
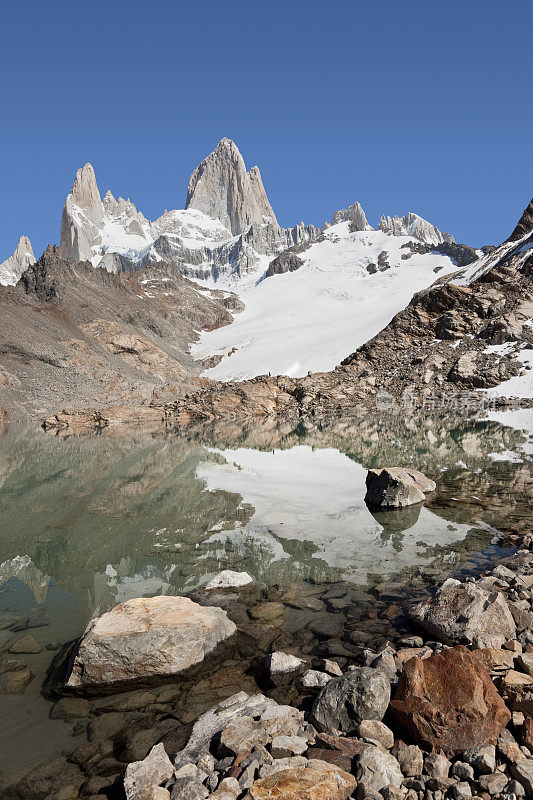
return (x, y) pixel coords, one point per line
(413, 225)
(355, 215)
(221, 188)
(465, 613)
(12, 268)
(146, 640)
(83, 216)
(286, 261)
(449, 703)
(394, 487)
(524, 225)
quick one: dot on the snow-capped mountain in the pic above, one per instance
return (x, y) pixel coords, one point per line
(338, 286)
(349, 286)
(228, 227)
(12, 268)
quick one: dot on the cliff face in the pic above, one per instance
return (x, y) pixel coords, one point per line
(221, 188)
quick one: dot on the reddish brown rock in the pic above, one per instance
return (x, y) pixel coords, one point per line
(449, 703)
(526, 733)
(318, 781)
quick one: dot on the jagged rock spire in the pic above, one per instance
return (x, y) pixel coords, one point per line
(221, 187)
(413, 225)
(82, 215)
(12, 268)
(353, 214)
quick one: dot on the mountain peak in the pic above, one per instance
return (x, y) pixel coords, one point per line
(221, 187)
(524, 225)
(413, 225)
(12, 268)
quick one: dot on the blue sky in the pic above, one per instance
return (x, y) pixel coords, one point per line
(404, 106)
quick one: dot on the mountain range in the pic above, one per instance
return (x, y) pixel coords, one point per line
(218, 287)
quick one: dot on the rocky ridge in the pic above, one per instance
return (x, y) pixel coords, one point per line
(441, 349)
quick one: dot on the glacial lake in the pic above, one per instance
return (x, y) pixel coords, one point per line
(87, 522)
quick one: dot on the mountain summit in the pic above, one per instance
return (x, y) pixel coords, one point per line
(222, 189)
(12, 268)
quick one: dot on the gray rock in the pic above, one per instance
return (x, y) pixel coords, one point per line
(437, 766)
(374, 731)
(188, 789)
(228, 579)
(411, 760)
(463, 771)
(288, 746)
(494, 783)
(375, 770)
(154, 770)
(461, 790)
(394, 487)
(216, 720)
(344, 702)
(522, 771)
(280, 764)
(464, 613)
(482, 758)
(313, 679)
(147, 639)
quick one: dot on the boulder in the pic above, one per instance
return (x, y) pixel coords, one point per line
(146, 640)
(141, 776)
(376, 769)
(363, 693)
(317, 781)
(395, 487)
(449, 703)
(465, 613)
(265, 713)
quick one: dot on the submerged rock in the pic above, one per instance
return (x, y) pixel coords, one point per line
(448, 702)
(394, 487)
(146, 640)
(465, 613)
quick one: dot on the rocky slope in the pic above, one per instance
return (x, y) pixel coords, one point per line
(77, 335)
(459, 336)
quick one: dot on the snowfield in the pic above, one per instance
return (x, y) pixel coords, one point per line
(311, 319)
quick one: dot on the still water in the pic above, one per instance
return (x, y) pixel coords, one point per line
(89, 522)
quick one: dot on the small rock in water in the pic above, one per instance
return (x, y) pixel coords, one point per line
(229, 579)
(395, 487)
(283, 662)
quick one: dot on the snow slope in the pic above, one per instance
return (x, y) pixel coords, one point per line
(311, 319)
